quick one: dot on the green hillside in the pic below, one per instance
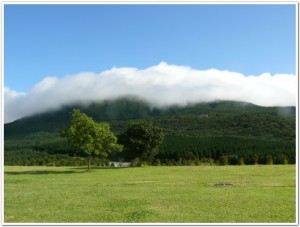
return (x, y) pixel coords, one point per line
(215, 132)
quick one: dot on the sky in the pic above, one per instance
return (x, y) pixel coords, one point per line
(46, 45)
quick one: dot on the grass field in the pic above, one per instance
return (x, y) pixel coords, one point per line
(254, 194)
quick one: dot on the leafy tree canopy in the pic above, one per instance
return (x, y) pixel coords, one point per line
(142, 139)
(90, 137)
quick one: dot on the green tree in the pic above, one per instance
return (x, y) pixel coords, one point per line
(90, 137)
(141, 139)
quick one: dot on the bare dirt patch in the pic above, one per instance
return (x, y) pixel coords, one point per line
(221, 184)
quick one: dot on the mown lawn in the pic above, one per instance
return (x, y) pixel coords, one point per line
(254, 194)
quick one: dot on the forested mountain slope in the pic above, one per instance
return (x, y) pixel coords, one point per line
(195, 131)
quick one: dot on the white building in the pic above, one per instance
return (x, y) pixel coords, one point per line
(120, 164)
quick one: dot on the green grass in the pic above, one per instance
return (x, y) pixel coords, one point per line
(150, 194)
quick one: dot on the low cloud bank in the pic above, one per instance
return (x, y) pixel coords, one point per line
(161, 85)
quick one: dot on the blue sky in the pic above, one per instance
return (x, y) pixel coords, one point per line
(59, 40)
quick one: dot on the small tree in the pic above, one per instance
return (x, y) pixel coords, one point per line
(141, 139)
(90, 137)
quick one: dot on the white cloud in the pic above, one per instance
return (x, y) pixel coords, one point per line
(162, 84)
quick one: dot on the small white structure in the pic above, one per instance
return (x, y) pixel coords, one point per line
(203, 115)
(120, 164)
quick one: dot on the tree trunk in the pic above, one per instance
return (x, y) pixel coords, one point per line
(89, 162)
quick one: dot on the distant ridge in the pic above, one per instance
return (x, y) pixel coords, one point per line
(130, 108)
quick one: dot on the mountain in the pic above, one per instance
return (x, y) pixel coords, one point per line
(194, 128)
(129, 109)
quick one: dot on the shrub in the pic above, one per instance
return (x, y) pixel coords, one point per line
(255, 159)
(269, 159)
(157, 162)
(141, 164)
(135, 162)
(224, 160)
(63, 162)
(197, 162)
(233, 160)
(33, 162)
(241, 161)
(179, 162)
(284, 160)
(191, 162)
(26, 162)
(211, 161)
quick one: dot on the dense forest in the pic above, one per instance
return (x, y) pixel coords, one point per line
(217, 133)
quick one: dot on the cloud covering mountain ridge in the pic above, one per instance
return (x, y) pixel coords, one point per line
(161, 85)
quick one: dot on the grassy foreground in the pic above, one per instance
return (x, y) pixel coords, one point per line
(150, 194)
